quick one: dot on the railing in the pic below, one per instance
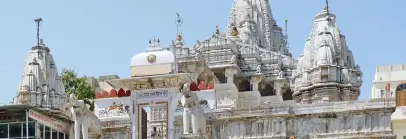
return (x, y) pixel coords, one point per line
(299, 109)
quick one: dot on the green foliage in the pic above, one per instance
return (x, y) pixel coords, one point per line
(83, 90)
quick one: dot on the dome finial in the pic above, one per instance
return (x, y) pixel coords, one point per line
(217, 30)
(179, 38)
(234, 32)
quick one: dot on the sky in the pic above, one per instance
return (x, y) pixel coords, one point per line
(99, 37)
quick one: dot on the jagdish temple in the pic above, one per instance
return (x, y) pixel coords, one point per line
(239, 83)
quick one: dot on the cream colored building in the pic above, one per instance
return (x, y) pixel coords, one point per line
(393, 76)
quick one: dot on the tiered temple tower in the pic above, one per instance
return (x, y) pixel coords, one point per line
(252, 53)
(40, 82)
(326, 71)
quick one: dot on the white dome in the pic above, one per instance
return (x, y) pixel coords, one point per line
(153, 58)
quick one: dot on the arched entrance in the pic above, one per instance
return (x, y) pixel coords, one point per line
(401, 95)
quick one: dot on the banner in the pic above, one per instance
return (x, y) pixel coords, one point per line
(49, 121)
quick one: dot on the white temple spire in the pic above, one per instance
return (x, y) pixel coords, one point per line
(40, 75)
(326, 50)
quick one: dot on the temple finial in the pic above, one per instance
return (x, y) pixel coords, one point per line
(38, 21)
(179, 38)
(328, 12)
(217, 30)
(179, 22)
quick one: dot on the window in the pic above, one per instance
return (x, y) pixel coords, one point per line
(47, 132)
(401, 95)
(31, 129)
(15, 130)
(3, 130)
(55, 134)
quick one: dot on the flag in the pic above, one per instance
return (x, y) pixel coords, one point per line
(387, 87)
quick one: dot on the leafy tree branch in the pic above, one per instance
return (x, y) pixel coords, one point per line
(78, 85)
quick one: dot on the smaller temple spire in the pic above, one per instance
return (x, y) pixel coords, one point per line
(217, 30)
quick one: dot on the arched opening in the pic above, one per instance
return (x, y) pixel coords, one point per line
(266, 89)
(220, 76)
(401, 95)
(244, 85)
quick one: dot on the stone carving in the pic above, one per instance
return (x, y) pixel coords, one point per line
(199, 56)
(193, 112)
(84, 119)
(258, 69)
(204, 103)
(233, 60)
(114, 110)
(280, 74)
(161, 93)
(180, 105)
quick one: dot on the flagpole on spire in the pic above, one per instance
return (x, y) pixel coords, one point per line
(328, 11)
(38, 21)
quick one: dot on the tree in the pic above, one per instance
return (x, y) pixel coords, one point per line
(78, 85)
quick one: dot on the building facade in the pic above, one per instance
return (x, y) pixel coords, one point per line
(248, 84)
(390, 82)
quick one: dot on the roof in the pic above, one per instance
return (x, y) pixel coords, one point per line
(22, 108)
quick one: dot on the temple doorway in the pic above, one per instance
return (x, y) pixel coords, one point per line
(153, 120)
(153, 113)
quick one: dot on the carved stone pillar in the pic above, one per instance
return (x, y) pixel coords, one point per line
(346, 94)
(278, 84)
(78, 122)
(387, 118)
(255, 79)
(134, 119)
(171, 118)
(306, 97)
(342, 122)
(230, 73)
(85, 131)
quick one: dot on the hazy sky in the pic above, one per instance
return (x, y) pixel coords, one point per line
(99, 37)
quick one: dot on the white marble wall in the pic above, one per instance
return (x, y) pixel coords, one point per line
(334, 125)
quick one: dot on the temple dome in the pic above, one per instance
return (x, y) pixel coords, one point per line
(154, 61)
(154, 55)
(153, 58)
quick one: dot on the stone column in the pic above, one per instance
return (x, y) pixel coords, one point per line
(77, 127)
(255, 79)
(171, 117)
(85, 131)
(230, 73)
(306, 97)
(134, 119)
(278, 84)
(346, 94)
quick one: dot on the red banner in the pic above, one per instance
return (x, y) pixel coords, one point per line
(50, 121)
